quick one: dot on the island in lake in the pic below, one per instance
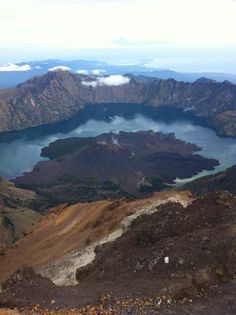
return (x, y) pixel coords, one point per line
(128, 164)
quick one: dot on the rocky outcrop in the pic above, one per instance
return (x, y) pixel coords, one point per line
(60, 95)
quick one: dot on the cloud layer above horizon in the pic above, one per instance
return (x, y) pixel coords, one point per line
(160, 29)
(67, 23)
(13, 67)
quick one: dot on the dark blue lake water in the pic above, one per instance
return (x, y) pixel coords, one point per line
(20, 151)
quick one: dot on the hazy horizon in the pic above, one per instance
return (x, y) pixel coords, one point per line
(183, 35)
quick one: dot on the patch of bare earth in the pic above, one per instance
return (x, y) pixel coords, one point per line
(132, 275)
(65, 239)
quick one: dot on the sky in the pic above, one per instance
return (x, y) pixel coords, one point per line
(179, 34)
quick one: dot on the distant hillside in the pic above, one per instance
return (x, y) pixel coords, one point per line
(16, 216)
(225, 180)
(60, 95)
(36, 68)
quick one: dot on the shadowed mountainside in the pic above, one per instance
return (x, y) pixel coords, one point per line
(225, 180)
(60, 95)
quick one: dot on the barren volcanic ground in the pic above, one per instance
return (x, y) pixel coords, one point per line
(99, 249)
(67, 230)
(113, 165)
(170, 260)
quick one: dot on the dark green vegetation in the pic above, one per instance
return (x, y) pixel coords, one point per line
(62, 147)
(225, 180)
(60, 95)
(72, 189)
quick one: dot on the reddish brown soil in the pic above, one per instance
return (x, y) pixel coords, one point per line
(69, 229)
(200, 242)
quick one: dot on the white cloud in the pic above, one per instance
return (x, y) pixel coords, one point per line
(62, 68)
(82, 71)
(13, 67)
(98, 71)
(90, 83)
(113, 80)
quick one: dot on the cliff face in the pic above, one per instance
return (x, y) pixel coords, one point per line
(60, 95)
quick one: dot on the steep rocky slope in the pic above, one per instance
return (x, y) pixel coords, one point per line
(65, 238)
(16, 214)
(128, 164)
(198, 256)
(174, 260)
(225, 180)
(60, 95)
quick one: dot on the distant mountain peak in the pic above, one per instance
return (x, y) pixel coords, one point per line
(228, 82)
(204, 80)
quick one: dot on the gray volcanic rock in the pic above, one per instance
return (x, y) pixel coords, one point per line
(60, 95)
(198, 240)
